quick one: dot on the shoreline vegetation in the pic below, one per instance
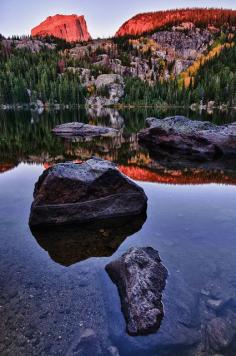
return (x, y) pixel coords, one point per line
(179, 64)
(193, 107)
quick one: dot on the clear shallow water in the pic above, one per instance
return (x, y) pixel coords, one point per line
(45, 305)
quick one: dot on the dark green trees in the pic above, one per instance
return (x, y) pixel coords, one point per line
(39, 74)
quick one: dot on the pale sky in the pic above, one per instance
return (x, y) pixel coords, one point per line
(104, 17)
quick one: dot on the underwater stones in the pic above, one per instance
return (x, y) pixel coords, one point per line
(79, 129)
(219, 333)
(69, 193)
(90, 343)
(140, 278)
(215, 304)
(87, 344)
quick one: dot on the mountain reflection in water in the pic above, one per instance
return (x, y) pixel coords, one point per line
(27, 137)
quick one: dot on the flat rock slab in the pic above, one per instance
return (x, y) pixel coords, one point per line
(177, 138)
(140, 278)
(79, 129)
(95, 190)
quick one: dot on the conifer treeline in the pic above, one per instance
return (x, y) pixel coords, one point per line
(40, 73)
(43, 75)
(214, 81)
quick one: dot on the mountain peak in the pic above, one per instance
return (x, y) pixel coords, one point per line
(72, 28)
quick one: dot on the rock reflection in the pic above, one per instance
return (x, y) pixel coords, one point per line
(71, 244)
(115, 120)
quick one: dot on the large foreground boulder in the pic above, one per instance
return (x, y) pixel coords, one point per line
(140, 278)
(178, 138)
(79, 129)
(77, 193)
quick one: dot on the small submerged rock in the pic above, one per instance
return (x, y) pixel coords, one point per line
(87, 344)
(90, 344)
(215, 304)
(219, 334)
(140, 278)
(95, 190)
(79, 129)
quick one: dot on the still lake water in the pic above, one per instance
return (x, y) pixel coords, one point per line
(50, 291)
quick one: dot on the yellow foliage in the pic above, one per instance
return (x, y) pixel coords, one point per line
(144, 44)
(91, 89)
(186, 76)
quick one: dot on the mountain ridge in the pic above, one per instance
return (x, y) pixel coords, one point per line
(151, 21)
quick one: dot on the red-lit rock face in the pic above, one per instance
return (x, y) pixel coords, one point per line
(71, 28)
(153, 20)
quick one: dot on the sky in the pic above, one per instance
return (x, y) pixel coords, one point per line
(103, 17)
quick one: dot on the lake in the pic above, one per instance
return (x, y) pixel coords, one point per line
(52, 290)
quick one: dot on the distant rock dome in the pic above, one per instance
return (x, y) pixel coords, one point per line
(72, 28)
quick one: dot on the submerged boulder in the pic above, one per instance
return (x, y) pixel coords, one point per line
(79, 129)
(219, 334)
(140, 278)
(77, 193)
(179, 138)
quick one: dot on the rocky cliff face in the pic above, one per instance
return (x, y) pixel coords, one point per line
(71, 28)
(162, 54)
(150, 21)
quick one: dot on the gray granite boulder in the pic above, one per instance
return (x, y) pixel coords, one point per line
(79, 129)
(179, 138)
(78, 193)
(140, 278)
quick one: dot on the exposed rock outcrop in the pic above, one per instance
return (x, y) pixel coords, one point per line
(109, 90)
(79, 129)
(77, 193)
(71, 28)
(180, 139)
(186, 45)
(140, 278)
(33, 45)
